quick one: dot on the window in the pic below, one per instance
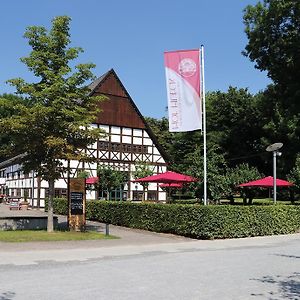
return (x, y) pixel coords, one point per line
(104, 146)
(152, 195)
(58, 193)
(117, 147)
(18, 192)
(137, 196)
(116, 194)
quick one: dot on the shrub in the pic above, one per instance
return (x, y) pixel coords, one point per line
(196, 221)
(60, 206)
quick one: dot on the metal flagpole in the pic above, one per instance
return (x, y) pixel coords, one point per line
(204, 126)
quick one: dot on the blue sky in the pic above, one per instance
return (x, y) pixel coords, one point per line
(131, 36)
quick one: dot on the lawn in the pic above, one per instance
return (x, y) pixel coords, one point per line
(41, 235)
(260, 201)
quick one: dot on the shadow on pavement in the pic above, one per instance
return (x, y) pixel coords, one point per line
(90, 226)
(7, 295)
(283, 287)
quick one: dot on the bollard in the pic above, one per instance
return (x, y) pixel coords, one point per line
(106, 229)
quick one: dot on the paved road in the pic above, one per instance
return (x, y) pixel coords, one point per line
(146, 266)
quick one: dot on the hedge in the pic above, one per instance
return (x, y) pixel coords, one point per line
(196, 221)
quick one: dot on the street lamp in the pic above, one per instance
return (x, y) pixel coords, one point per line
(274, 148)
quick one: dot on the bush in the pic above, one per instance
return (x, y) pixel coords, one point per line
(196, 221)
(60, 206)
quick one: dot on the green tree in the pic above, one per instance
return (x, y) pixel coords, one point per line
(142, 170)
(110, 179)
(234, 123)
(216, 166)
(83, 174)
(294, 176)
(160, 128)
(56, 123)
(240, 174)
(8, 111)
(273, 31)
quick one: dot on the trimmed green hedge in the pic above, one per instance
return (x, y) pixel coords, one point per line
(196, 221)
(60, 206)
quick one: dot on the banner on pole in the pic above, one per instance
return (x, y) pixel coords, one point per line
(183, 88)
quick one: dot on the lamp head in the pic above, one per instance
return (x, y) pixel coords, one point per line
(274, 147)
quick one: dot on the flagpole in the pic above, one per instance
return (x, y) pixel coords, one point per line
(204, 127)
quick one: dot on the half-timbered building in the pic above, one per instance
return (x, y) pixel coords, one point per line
(129, 141)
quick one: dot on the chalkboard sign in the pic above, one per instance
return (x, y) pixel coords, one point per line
(76, 203)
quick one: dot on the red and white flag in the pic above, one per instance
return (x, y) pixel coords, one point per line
(183, 88)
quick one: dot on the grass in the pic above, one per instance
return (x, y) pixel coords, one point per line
(260, 201)
(239, 201)
(43, 236)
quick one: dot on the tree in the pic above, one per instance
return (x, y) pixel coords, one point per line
(294, 176)
(55, 126)
(216, 166)
(160, 128)
(234, 123)
(83, 174)
(240, 174)
(142, 170)
(110, 179)
(273, 31)
(8, 111)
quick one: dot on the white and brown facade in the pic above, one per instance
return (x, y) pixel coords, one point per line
(129, 141)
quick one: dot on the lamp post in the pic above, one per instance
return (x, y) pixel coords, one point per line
(274, 148)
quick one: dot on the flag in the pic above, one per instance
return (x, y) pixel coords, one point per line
(183, 89)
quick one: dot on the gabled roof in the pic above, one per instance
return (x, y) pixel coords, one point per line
(96, 85)
(13, 160)
(93, 86)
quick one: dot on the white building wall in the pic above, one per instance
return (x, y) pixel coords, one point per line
(129, 136)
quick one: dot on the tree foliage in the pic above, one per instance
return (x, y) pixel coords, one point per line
(142, 170)
(5, 112)
(110, 178)
(240, 174)
(273, 31)
(55, 124)
(294, 175)
(234, 123)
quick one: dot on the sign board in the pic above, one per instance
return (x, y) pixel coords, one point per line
(76, 204)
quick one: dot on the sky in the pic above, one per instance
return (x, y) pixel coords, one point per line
(131, 36)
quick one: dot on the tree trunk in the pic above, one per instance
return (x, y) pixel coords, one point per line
(50, 206)
(250, 200)
(292, 197)
(231, 199)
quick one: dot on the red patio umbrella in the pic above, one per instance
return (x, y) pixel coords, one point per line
(92, 180)
(167, 177)
(266, 182)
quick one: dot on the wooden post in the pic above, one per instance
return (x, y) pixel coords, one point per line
(77, 204)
